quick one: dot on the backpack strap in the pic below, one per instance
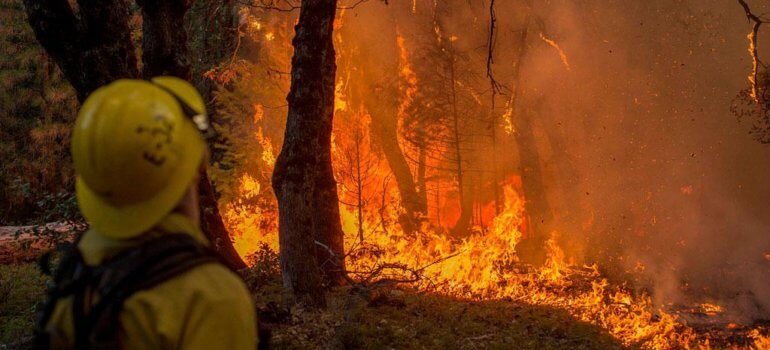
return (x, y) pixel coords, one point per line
(67, 277)
(113, 282)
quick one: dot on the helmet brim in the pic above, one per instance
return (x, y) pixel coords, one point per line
(129, 221)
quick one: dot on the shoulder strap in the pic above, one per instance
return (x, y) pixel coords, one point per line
(68, 276)
(149, 265)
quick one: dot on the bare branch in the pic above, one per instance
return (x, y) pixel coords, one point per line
(753, 51)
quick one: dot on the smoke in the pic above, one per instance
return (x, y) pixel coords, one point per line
(676, 185)
(645, 167)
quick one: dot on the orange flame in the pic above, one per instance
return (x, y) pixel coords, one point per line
(562, 54)
(484, 265)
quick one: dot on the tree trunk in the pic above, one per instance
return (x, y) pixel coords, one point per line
(536, 202)
(537, 206)
(303, 181)
(422, 164)
(92, 49)
(164, 40)
(213, 32)
(212, 225)
(466, 205)
(572, 203)
(385, 129)
(95, 49)
(165, 52)
(380, 70)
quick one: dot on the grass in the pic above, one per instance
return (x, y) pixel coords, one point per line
(22, 287)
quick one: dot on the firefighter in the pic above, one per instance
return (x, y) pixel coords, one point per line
(143, 276)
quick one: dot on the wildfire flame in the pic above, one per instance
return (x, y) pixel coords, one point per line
(555, 45)
(407, 75)
(754, 66)
(482, 266)
(711, 309)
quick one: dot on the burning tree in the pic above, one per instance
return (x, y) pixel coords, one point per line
(440, 120)
(378, 92)
(401, 140)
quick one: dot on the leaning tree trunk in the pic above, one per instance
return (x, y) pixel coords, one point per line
(95, 48)
(379, 71)
(385, 129)
(303, 180)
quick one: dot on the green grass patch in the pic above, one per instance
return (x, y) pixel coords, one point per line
(22, 287)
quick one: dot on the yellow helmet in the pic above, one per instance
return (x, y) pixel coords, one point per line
(136, 152)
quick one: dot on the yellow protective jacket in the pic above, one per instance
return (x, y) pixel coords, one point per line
(206, 308)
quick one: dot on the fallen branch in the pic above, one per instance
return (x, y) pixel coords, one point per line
(383, 274)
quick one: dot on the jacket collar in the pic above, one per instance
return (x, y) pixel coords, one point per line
(95, 247)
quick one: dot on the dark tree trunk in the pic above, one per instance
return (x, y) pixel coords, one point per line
(165, 52)
(537, 205)
(303, 180)
(95, 49)
(572, 203)
(568, 175)
(422, 163)
(164, 39)
(92, 49)
(213, 227)
(212, 32)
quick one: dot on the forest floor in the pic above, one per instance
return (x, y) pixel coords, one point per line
(388, 319)
(357, 318)
(399, 319)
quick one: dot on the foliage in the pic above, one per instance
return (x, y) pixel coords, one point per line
(249, 90)
(36, 108)
(249, 98)
(264, 268)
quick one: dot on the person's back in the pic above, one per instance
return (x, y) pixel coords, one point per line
(143, 277)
